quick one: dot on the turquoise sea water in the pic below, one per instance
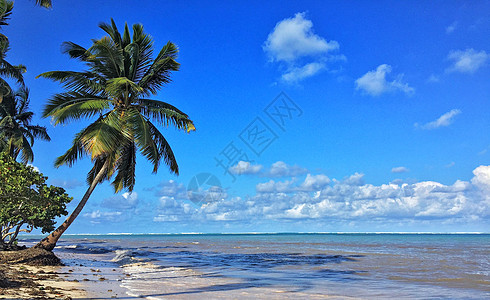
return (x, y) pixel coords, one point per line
(294, 266)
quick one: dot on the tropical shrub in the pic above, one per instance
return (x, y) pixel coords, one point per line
(26, 201)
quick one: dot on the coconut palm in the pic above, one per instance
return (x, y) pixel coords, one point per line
(16, 133)
(114, 90)
(6, 69)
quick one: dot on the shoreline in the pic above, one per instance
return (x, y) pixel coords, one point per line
(237, 267)
(44, 282)
(79, 278)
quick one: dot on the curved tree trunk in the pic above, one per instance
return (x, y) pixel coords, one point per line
(50, 241)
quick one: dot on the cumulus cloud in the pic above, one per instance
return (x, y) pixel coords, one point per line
(245, 167)
(277, 169)
(281, 169)
(171, 188)
(311, 183)
(399, 170)
(274, 187)
(319, 199)
(374, 82)
(355, 179)
(293, 38)
(172, 210)
(98, 216)
(300, 73)
(314, 183)
(443, 121)
(467, 61)
(340, 200)
(300, 51)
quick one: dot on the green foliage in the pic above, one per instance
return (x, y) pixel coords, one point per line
(121, 74)
(16, 132)
(26, 199)
(6, 69)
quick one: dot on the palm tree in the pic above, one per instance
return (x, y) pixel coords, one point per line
(6, 69)
(16, 133)
(114, 90)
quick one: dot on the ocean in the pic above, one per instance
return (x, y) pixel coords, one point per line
(290, 266)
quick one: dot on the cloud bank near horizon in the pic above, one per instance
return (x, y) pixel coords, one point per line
(318, 198)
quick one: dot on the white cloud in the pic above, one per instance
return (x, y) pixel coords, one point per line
(318, 199)
(172, 188)
(294, 38)
(311, 183)
(281, 169)
(399, 170)
(467, 61)
(355, 179)
(274, 187)
(298, 74)
(443, 121)
(300, 51)
(314, 183)
(277, 169)
(166, 218)
(374, 82)
(450, 29)
(97, 214)
(426, 199)
(245, 167)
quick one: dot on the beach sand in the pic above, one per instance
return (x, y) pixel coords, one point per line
(22, 281)
(23, 276)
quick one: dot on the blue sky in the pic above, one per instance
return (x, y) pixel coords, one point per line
(345, 115)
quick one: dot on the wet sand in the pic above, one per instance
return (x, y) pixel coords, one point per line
(23, 276)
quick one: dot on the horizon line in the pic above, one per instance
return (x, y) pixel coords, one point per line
(265, 233)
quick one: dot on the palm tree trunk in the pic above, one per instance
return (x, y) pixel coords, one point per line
(50, 241)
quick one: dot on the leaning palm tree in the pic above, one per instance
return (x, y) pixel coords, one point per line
(16, 132)
(114, 90)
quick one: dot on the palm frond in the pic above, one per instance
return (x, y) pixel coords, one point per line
(166, 114)
(39, 132)
(44, 3)
(75, 152)
(103, 136)
(74, 105)
(5, 11)
(126, 168)
(26, 151)
(158, 73)
(87, 82)
(107, 58)
(112, 31)
(14, 72)
(164, 149)
(75, 51)
(116, 87)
